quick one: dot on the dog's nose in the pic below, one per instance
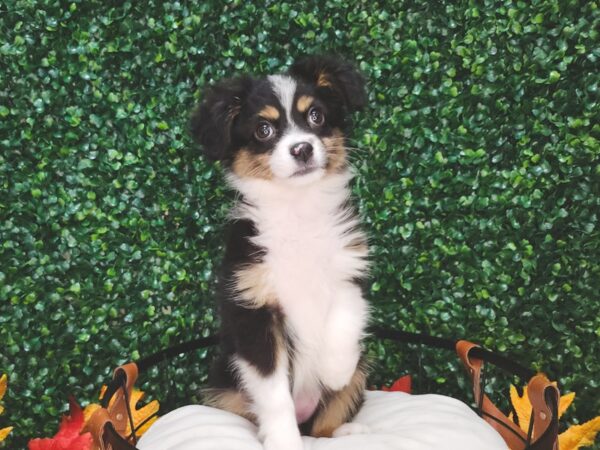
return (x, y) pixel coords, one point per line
(302, 151)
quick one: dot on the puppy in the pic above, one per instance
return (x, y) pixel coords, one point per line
(292, 310)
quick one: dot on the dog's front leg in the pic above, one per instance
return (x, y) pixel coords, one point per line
(345, 328)
(272, 404)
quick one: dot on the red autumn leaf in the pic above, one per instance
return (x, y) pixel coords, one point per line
(402, 384)
(68, 436)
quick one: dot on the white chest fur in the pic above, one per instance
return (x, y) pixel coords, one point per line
(312, 257)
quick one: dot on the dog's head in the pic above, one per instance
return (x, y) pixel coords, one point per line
(283, 127)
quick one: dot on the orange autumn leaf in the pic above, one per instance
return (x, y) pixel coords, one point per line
(143, 417)
(574, 438)
(4, 432)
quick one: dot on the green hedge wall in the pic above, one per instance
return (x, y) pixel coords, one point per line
(478, 163)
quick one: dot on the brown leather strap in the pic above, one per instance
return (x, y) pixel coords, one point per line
(544, 397)
(96, 425)
(104, 434)
(108, 425)
(118, 409)
(514, 437)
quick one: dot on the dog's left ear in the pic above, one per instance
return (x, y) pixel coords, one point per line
(335, 75)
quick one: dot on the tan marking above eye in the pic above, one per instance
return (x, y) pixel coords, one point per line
(323, 81)
(269, 112)
(304, 103)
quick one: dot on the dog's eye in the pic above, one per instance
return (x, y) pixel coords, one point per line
(315, 117)
(264, 131)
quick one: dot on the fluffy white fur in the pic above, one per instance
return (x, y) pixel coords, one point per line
(306, 236)
(272, 404)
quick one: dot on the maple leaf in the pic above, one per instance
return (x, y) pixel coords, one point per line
(68, 436)
(564, 403)
(4, 432)
(522, 407)
(402, 384)
(579, 436)
(575, 437)
(143, 417)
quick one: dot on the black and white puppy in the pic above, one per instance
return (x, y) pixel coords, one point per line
(292, 310)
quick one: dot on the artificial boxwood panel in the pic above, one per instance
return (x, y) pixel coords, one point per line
(478, 176)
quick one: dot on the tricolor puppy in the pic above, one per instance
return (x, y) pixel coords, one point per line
(292, 310)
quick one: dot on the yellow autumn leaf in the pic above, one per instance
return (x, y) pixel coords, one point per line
(145, 416)
(565, 402)
(522, 406)
(89, 411)
(574, 438)
(142, 417)
(3, 384)
(579, 436)
(4, 432)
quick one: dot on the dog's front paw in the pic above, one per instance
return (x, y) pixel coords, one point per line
(338, 370)
(282, 440)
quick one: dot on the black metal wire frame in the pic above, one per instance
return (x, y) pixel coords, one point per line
(500, 361)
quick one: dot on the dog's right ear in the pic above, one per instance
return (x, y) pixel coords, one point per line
(211, 123)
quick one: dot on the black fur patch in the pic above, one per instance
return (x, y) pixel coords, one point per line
(252, 334)
(249, 333)
(211, 123)
(239, 249)
(333, 78)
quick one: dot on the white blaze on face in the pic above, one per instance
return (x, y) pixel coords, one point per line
(283, 164)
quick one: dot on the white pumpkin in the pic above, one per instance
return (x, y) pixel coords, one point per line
(387, 421)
